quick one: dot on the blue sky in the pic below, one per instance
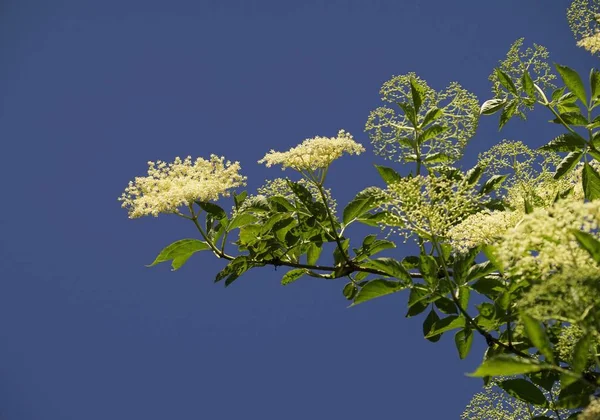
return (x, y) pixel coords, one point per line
(92, 90)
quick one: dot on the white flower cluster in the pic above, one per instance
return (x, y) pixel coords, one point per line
(315, 153)
(169, 186)
(590, 43)
(592, 411)
(542, 243)
(483, 228)
(427, 205)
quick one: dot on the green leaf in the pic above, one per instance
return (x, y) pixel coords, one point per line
(357, 207)
(238, 199)
(241, 219)
(374, 247)
(429, 268)
(487, 310)
(233, 270)
(350, 291)
(431, 132)
(180, 251)
(389, 266)
(446, 324)
(293, 275)
(567, 164)
(462, 264)
(377, 288)
(537, 335)
(588, 242)
(527, 83)
(565, 143)
(595, 84)
(506, 81)
(389, 175)
(446, 305)
(373, 219)
(581, 353)
(474, 174)
(572, 81)
(507, 113)
(492, 184)
(428, 324)
(579, 362)
(524, 391)
(507, 365)
(213, 209)
(591, 182)
(492, 106)
(416, 95)
(491, 253)
(432, 115)
(463, 340)
(480, 270)
(313, 253)
(437, 157)
(409, 110)
(571, 118)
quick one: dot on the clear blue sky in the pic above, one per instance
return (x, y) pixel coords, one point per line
(91, 90)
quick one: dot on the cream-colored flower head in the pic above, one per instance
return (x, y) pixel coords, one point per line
(169, 186)
(590, 43)
(427, 205)
(314, 154)
(543, 244)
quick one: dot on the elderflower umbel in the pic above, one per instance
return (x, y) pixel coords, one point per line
(315, 153)
(591, 412)
(169, 186)
(427, 205)
(543, 243)
(590, 43)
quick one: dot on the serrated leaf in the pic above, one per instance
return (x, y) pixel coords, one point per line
(591, 182)
(567, 164)
(292, 275)
(180, 251)
(437, 157)
(240, 220)
(507, 113)
(572, 81)
(506, 81)
(527, 83)
(428, 268)
(478, 271)
(377, 288)
(463, 340)
(409, 110)
(492, 184)
(233, 270)
(571, 118)
(313, 253)
(588, 242)
(579, 362)
(388, 175)
(492, 106)
(595, 83)
(357, 207)
(389, 266)
(350, 291)
(446, 305)
(565, 143)
(216, 211)
(524, 391)
(474, 174)
(428, 324)
(432, 115)
(446, 324)
(537, 335)
(431, 132)
(507, 365)
(416, 95)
